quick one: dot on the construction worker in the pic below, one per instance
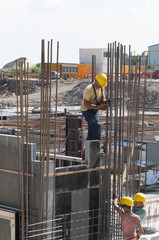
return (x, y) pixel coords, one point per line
(129, 220)
(139, 206)
(93, 101)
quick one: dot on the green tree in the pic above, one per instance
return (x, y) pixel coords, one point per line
(36, 68)
(151, 67)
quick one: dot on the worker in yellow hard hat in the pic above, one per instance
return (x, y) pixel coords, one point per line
(139, 206)
(93, 101)
(129, 220)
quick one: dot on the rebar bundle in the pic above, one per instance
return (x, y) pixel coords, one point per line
(121, 144)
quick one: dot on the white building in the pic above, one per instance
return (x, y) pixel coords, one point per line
(85, 57)
(153, 55)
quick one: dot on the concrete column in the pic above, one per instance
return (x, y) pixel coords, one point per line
(92, 153)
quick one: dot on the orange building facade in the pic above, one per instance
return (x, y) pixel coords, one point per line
(72, 70)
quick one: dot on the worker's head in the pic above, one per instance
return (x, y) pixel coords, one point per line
(139, 199)
(101, 78)
(127, 203)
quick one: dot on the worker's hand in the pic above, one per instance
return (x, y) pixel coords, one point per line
(138, 235)
(115, 196)
(102, 107)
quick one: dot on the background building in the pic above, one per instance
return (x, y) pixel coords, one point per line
(85, 57)
(153, 55)
(72, 70)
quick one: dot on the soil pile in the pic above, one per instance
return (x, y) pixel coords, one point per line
(70, 92)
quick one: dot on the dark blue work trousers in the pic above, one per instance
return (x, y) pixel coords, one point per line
(94, 128)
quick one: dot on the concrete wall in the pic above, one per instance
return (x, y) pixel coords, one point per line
(78, 195)
(77, 189)
(10, 165)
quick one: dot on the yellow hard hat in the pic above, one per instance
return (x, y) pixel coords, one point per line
(127, 201)
(139, 197)
(101, 79)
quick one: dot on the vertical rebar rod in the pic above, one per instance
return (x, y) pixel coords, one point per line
(48, 122)
(120, 123)
(47, 125)
(139, 87)
(115, 120)
(143, 109)
(107, 195)
(19, 179)
(55, 142)
(128, 121)
(22, 150)
(123, 122)
(134, 127)
(113, 50)
(42, 130)
(27, 150)
(137, 115)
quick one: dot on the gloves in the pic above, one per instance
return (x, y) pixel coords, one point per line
(102, 107)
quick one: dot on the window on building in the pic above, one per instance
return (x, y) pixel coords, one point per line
(67, 69)
(64, 70)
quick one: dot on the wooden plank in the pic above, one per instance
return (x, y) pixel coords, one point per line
(76, 172)
(16, 172)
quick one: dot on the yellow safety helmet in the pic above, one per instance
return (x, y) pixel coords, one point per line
(139, 197)
(127, 201)
(101, 79)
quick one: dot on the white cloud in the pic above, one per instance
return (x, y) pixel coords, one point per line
(135, 11)
(75, 23)
(11, 6)
(55, 3)
(150, 7)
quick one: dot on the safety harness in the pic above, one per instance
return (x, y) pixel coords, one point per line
(98, 103)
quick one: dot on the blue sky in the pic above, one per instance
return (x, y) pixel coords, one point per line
(75, 24)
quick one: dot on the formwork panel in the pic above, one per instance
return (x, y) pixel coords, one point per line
(74, 133)
(11, 169)
(152, 153)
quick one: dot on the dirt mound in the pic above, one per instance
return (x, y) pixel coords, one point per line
(70, 92)
(8, 87)
(74, 96)
(12, 64)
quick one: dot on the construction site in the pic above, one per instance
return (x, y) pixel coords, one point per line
(48, 189)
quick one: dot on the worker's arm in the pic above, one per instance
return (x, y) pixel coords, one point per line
(89, 105)
(116, 206)
(104, 101)
(141, 231)
(141, 213)
(115, 203)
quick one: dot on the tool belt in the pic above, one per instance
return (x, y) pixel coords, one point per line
(132, 238)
